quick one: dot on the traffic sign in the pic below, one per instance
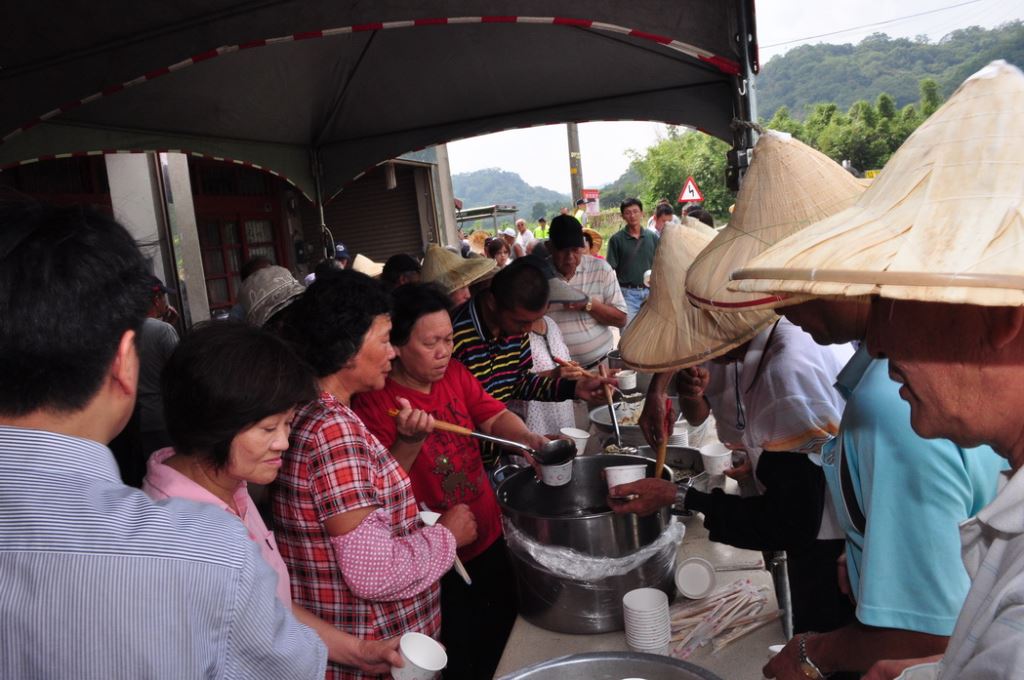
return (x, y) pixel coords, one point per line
(691, 192)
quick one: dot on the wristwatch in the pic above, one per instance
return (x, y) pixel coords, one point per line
(679, 504)
(808, 667)
(590, 305)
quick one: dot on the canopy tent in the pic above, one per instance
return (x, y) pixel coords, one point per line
(318, 91)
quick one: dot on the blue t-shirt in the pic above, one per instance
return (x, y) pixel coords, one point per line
(905, 570)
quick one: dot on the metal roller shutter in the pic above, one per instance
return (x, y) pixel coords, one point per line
(371, 219)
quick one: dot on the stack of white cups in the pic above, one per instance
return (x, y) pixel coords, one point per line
(647, 620)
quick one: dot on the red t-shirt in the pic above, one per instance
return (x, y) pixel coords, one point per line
(448, 469)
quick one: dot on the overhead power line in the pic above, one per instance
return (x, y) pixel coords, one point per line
(873, 25)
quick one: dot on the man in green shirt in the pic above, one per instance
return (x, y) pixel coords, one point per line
(631, 253)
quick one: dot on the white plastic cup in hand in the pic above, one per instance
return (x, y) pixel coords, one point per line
(577, 435)
(424, 658)
(623, 474)
(717, 458)
(627, 380)
(556, 475)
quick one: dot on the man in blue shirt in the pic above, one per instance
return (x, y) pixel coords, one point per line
(96, 580)
(900, 499)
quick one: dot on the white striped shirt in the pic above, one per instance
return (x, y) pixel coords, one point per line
(98, 581)
(587, 339)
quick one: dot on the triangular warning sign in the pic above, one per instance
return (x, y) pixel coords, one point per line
(690, 192)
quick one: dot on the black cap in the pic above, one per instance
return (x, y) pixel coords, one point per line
(566, 232)
(581, 201)
(400, 264)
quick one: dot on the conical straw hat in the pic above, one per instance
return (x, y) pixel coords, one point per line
(669, 333)
(451, 271)
(596, 237)
(943, 222)
(789, 186)
(477, 240)
(365, 265)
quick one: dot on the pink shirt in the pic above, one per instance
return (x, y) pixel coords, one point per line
(163, 481)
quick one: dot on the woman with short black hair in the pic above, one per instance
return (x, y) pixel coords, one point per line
(230, 391)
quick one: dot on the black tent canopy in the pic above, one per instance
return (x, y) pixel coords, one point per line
(318, 91)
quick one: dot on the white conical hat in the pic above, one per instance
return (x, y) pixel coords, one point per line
(789, 186)
(943, 222)
(669, 333)
(365, 265)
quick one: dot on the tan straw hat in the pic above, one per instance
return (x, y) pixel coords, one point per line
(266, 292)
(669, 333)
(789, 186)
(451, 271)
(477, 241)
(943, 222)
(365, 265)
(596, 237)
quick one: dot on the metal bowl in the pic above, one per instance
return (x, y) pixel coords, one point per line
(612, 665)
(631, 434)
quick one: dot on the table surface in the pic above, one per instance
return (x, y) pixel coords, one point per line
(741, 660)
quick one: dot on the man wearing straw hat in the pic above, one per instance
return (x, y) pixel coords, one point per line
(905, 605)
(770, 390)
(454, 273)
(947, 310)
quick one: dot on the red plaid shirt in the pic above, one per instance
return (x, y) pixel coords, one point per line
(335, 465)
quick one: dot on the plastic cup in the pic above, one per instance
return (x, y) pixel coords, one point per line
(623, 474)
(424, 658)
(646, 616)
(717, 458)
(556, 475)
(627, 380)
(579, 436)
(695, 578)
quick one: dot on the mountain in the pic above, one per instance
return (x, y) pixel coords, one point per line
(847, 73)
(493, 186)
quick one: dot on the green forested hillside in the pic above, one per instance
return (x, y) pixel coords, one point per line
(844, 74)
(493, 186)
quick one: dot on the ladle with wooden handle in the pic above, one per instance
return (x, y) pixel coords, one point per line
(554, 452)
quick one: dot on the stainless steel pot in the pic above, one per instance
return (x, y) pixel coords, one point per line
(577, 516)
(595, 665)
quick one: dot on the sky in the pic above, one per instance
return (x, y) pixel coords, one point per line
(540, 155)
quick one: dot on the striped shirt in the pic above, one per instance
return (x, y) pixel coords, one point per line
(502, 365)
(98, 581)
(587, 339)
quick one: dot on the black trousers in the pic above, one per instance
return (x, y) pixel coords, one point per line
(814, 588)
(476, 620)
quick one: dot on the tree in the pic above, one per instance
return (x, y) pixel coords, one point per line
(930, 98)
(538, 211)
(886, 106)
(664, 167)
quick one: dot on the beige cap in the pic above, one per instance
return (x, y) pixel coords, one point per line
(365, 265)
(943, 222)
(266, 292)
(788, 186)
(669, 333)
(451, 271)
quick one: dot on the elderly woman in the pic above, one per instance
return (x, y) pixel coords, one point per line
(229, 430)
(447, 469)
(346, 518)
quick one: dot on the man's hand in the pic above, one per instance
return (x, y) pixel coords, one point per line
(652, 495)
(692, 382)
(786, 664)
(413, 424)
(376, 656)
(891, 668)
(652, 419)
(591, 390)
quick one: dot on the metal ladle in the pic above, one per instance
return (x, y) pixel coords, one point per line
(555, 452)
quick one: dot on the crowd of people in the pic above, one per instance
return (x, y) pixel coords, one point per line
(862, 354)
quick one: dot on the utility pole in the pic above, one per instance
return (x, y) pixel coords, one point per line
(575, 162)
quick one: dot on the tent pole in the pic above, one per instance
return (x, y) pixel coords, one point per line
(327, 238)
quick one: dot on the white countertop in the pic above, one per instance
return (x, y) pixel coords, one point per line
(741, 660)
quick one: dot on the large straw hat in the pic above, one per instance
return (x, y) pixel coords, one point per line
(266, 292)
(943, 222)
(365, 265)
(670, 333)
(451, 271)
(789, 185)
(596, 237)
